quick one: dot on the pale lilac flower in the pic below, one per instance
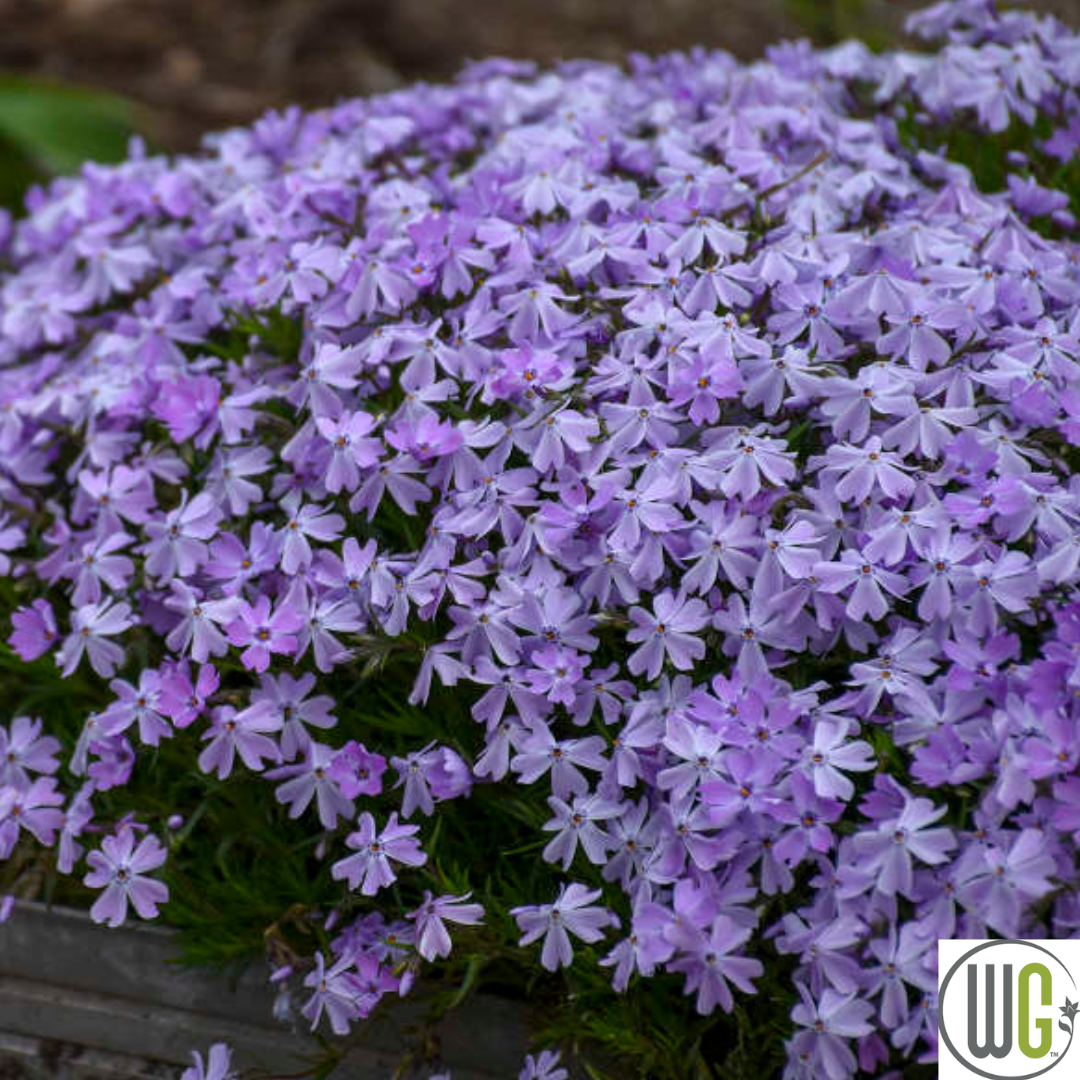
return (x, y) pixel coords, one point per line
(120, 867)
(334, 994)
(243, 733)
(34, 630)
(571, 913)
(432, 938)
(177, 544)
(887, 852)
(312, 779)
(91, 628)
(369, 869)
(24, 749)
(577, 823)
(218, 1064)
(668, 633)
(262, 631)
(830, 756)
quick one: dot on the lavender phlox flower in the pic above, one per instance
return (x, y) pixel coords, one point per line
(577, 823)
(432, 938)
(572, 912)
(141, 705)
(243, 733)
(831, 755)
(888, 851)
(544, 1066)
(262, 632)
(435, 772)
(183, 699)
(869, 583)
(24, 749)
(198, 630)
(707, 961)
(334, 994)
(176, 545)
(305, 523)
(722, 542)
(904, 959)
(98, 566)
(1006, 878)
(832, 1021)
(668, 633)
(369, 869)
(310, 779)
(218, 1064)
(120, 867)
(92, 625)
(862, 469)
(32, 808)
(34, 630)
(540, 752)
(288, 701)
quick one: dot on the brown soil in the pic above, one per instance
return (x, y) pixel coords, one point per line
(205, 64)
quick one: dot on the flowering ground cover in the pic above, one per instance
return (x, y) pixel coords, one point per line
(610, 536)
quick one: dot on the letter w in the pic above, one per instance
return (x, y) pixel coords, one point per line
(989, 1047)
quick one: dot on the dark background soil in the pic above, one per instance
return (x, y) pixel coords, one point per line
(205, 64)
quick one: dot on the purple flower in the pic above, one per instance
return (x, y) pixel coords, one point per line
(34, 630)
(120, 867)
(350, 450)
(370, 869)
(334, 993)
(263, 632)
(432, 939)
(703, 383)
(182, 699)
(232, 733)
(287, 702)
(571, 913)
(98, 565)
(198, 629)
(218, 1064)
(305, 523)
(141, 705)
(871, 582)
(862, 469)
(832, 1020)
(705, 958)
(91, 627)
(177, 544)
(887, 852)
(32, 808)
(668, 633)
(574, 824)
(357, 771)
(829, 756)
(540, 751)
(25, 750)
(426, 438)
(430, 774)
(1005, 877)
(545, 1066)
(312, 779)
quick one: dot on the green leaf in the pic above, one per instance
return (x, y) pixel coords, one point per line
(49, 128)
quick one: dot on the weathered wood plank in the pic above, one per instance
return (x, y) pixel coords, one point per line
(114, 993)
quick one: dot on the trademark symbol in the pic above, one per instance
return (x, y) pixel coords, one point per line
(1053, 1053)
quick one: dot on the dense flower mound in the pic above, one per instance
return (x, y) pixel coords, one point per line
(705, 427)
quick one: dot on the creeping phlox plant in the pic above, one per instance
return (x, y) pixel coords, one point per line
(621, 522)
